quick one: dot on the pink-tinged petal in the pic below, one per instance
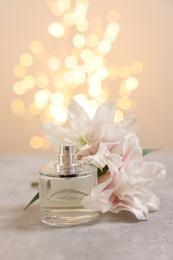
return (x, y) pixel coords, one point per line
(56, 134)
(141, 214)
(131, 204)
(98, 201)
(79, 119)
(103, 178)
(88, 149)
(150, 173)
(132, 152)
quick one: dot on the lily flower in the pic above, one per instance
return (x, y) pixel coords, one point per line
(126, 185)
(86, 133)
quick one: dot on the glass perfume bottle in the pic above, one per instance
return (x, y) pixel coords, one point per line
(62, 186)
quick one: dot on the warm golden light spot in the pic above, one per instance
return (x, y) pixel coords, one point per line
(26, 60)
(59, 114)
(73, 85)
(113, 15)
(69, 19)
(78, 40)
(81, 99)
(102, 73)
(47, 116)
(94, 81)
(34, 110)
(29, 81)
(71, 62)
(95, 91)
(94, 104)
(80, 10)
(46, 144)
(91, 107)
(56, 30)
(89, 66)
(92, 41)
(41, 98)
(42, 81)
(64, 4)
(111, 31)
(119, 116)
(79, 75)
(57, 98)
(55, 9)
(113, 72)
(98, 61)
(124, 103)
(132, 107)
(84, 73)
(19, 71)
(54, 63)
(82, 25)
(124, 91)
(69, 77)
(60, 6)
(104, 46)
(110, 38)
(87, 54)
(19, 88)
(113, 28)
(105, 94)
(136, 67)
(36, 142)
(36, 47)
(125, 71)
(17, 106)
(59, 82)
(131, 83)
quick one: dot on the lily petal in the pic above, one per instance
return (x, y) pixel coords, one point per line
(104, 116)
(132, 152)
(129, 124)
(56, 134)
(78, 117)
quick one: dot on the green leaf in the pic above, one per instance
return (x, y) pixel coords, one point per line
(36, 197)
(146, 151)
(101, 172)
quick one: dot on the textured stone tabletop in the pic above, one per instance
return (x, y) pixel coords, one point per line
(120, 236)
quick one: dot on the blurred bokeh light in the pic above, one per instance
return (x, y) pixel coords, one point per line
(84, 74)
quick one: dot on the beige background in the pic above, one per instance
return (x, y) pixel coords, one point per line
(146, 35)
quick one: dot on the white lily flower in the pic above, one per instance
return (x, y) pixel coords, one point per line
(126, 185)
(85, 133)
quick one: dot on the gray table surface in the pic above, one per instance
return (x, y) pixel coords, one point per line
(120, 236)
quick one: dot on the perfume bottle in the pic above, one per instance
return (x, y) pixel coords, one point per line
(62, 186)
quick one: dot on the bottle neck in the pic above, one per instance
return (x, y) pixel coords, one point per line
(67, 169)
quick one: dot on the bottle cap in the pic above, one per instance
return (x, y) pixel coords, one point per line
(67, 159)
(67, 154)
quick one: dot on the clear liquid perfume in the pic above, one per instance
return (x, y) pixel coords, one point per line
(62, 186)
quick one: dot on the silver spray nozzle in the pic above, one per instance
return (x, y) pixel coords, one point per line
(67, 154)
